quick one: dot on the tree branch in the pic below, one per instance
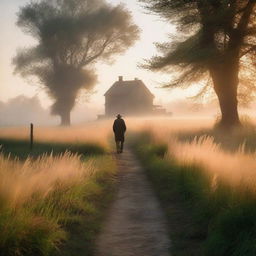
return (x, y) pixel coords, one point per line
(238, 34)
(253, 48)
(85, 61)
(244, 21)
(87, 48)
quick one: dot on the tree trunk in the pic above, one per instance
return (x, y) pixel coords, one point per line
(225, 80)
(228, 106)
(65, 118)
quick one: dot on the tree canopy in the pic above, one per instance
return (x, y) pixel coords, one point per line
(216, 38)
(71, 36)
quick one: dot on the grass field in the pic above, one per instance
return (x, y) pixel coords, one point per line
(205, 179)
(95, 132)
(52, 198)
(206, 182)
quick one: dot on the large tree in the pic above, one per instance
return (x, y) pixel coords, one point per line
(216, 38)
(71, 35)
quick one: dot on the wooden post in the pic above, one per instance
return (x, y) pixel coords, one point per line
(31, 136)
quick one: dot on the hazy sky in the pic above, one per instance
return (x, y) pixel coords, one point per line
(153, 29)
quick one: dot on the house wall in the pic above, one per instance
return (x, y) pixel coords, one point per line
(128, 105)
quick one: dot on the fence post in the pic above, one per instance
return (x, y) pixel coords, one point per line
(31, 136)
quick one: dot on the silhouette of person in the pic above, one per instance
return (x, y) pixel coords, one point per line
(119, 129)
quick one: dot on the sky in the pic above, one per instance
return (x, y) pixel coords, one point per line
(152, 29)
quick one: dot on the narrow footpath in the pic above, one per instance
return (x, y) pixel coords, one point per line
(136, 225)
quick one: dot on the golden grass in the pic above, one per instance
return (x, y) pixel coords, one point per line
(19, 181)
(95, 132)
(214, 184)
(100, 131)
(237, 168)
(40, 196)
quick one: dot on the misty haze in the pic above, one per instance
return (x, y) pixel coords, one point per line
(127, 128)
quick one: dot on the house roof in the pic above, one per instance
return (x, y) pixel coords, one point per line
(128, 87)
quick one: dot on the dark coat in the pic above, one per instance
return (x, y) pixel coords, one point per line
(119, 129)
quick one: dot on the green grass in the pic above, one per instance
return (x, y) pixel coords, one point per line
(89, 213)
(21, 148)
(202, 220)
(66, 221)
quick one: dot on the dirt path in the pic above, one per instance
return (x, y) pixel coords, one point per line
(136, 225)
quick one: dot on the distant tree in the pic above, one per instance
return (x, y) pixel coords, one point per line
(71, 36)
(216, 38)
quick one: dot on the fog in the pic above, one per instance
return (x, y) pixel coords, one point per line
(189, 107)
(71, 35)
(23, 110)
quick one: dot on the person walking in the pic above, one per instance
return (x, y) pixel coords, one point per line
(119, 128)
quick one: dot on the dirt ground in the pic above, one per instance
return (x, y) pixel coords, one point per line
(136, 224)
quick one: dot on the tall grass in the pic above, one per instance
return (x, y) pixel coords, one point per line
(19, 181)
(216, 186)
(235, 167)
(39, 198)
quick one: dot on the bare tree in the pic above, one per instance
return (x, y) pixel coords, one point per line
(216, 38)
(72, 35)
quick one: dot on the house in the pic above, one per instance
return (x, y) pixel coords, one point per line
(130, 98)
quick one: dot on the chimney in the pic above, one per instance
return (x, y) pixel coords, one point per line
(136, 79)
(120, 78)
